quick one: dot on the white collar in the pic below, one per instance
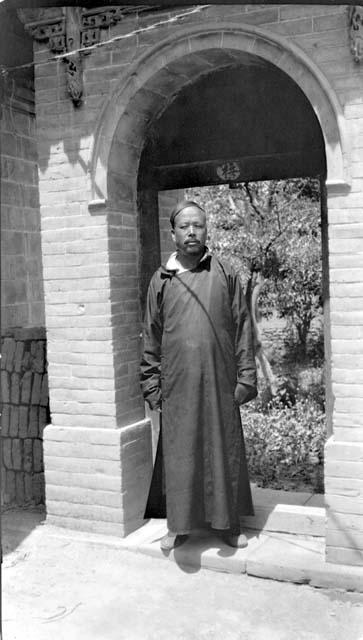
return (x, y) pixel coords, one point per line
(173, 263)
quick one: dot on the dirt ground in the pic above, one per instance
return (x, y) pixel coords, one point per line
(59, 586)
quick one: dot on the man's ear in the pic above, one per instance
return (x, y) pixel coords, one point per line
(172, 234)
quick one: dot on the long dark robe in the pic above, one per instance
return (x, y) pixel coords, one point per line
(197, 346)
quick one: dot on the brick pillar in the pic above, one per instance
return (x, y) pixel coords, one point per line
(344, 448)
(98, 449)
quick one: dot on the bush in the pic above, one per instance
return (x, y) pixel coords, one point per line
(311, 385)
(285, 444)
(312, 353)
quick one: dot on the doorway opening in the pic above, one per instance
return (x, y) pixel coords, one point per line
(278, 247)
(247, 138)
(271, 233)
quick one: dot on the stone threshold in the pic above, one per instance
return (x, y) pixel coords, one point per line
(298, 513)
(276, 556)
(286, 542)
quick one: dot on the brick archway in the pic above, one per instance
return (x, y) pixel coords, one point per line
(153, 81)
(108, 427)
(140, 98)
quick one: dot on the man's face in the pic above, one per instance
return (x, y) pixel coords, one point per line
(190, 231)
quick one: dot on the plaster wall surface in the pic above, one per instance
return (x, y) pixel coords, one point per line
(90, 253)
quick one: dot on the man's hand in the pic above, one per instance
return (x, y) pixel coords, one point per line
(244, 393)
(154, 407)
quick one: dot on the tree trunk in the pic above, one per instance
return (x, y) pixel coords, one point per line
(253, 291)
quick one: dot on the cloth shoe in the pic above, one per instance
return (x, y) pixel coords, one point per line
(171, 540)
(239, 541)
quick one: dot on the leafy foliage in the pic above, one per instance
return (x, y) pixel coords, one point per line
(272, 229)
(296, 286)
(285, 444)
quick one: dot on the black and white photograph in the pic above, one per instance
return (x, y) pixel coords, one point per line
(181, 320)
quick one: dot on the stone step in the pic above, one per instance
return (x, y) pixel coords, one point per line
(278, 511)
(276, 556)
(285, 518)
(301, 560)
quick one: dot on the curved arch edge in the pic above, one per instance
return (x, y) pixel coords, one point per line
(290, 59)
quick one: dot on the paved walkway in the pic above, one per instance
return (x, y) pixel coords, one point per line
(70, 585)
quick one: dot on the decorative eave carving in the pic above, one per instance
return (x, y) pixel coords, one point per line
(93, 20)
(53, 33)
(45, 25)
(59, 29)
(66, 29)
(356, 32)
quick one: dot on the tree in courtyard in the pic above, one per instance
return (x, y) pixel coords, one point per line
(270, 231)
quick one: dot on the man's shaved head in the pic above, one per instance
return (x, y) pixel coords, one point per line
(183, 204)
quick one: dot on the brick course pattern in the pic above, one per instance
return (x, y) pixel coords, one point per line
(22, 297)
(25, 413)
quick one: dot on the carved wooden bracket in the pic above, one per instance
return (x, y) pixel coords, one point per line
(59, 29)
(65, 29)
(356, 32)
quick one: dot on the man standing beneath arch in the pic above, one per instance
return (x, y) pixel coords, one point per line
(198, 366)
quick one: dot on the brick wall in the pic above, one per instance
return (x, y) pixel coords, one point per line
(24, 393)
(344, 450)
(24, 385)
(22, 298)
